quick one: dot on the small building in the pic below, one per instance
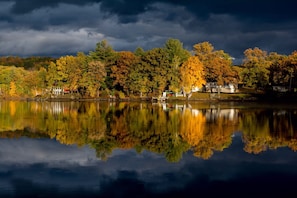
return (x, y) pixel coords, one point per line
(278, 88)
(57, 91)
(229, 88)
(213, 87)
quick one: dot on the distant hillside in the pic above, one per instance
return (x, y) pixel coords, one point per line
(34, 62)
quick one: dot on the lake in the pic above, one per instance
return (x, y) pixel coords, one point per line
(101, 149)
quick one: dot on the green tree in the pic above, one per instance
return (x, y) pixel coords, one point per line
(279, 73)
(93, 78)
(52, 75)
(256, 68)
(107, 56)
(177, 55)
(62, 69)
(138, 80)
(6, 76)
(176, 52)
(139, 51)
(150, 74)
(12, 81)
(65, 73)
(103, 52)
(74, 72)
(156, 66)
(35, 81)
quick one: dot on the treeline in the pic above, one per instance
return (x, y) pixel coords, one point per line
(105, 71)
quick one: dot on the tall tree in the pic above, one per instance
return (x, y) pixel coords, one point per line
(279, 74)
(103, 52)
(217, 64)
(176, 52)
(107, 56)
(292, 65)
(192, 74)
(177, 55)
(35, 81)
(52, 75)
(12, 81)
(138, 79)
(121, 69)
(93, 78)
(69, 72)
(256, 68)
(13, 89)
(156, 64)
(139, 51)
(6, 76)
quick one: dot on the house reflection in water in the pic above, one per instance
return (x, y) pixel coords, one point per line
(76, 149)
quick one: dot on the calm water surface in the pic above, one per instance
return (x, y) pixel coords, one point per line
(72, 149)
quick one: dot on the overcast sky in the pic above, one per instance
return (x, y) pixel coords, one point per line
(63, 27)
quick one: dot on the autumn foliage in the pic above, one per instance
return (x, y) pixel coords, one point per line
(143, 126)
(106, 72)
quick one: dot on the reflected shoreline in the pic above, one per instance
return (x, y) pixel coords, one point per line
(170, 129)
(89, 149)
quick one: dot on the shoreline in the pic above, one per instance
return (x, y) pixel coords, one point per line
(277, 97)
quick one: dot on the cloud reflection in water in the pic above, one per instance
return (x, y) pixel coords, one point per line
(45, 168)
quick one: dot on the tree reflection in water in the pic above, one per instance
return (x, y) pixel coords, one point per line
(166, 129)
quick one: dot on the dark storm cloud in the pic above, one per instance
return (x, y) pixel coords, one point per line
(76, 25)
(264, 10)
(255, 11)
(22, 7)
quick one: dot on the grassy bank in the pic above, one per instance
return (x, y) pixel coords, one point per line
(242, 95)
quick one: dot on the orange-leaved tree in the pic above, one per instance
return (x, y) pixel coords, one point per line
(121, 69)
(192, 75)
(217, 64)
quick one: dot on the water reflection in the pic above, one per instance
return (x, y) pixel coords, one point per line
(167, 129)
(122, 150)
(46, 168)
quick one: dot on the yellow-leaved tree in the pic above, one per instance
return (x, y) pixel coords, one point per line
(12, 90)
(192, 75)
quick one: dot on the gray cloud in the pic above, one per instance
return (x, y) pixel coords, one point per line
(61, 27)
